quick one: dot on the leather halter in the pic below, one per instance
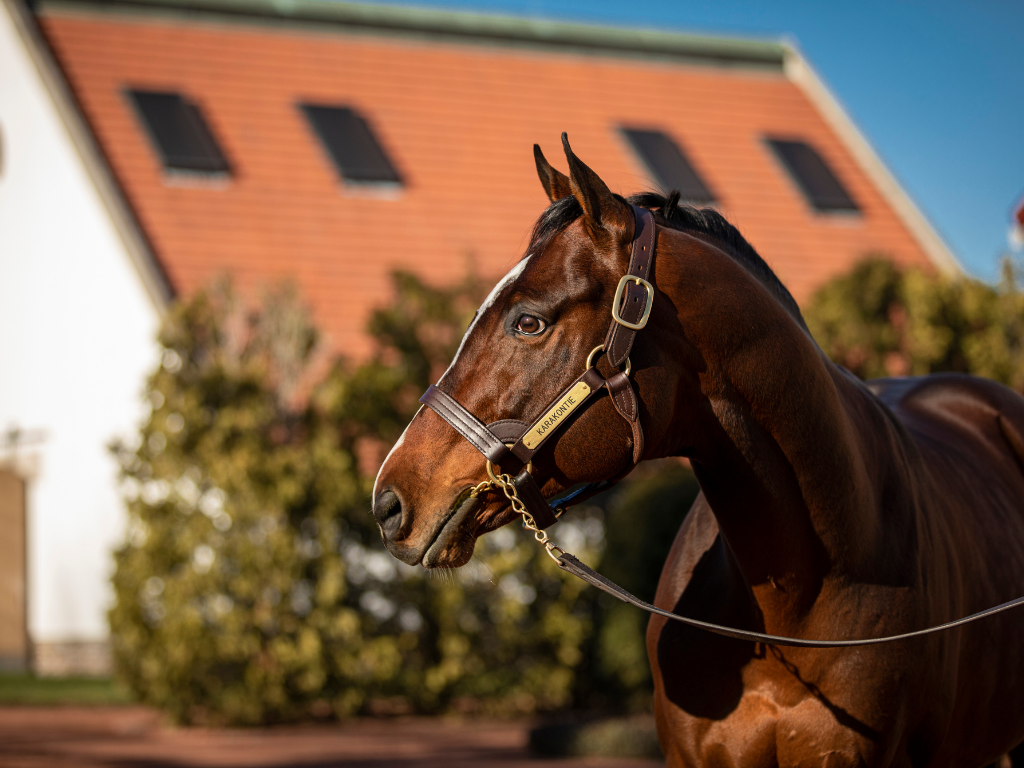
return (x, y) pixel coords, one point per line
(510, 442)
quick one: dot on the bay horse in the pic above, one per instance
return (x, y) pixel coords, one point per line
(830, 508)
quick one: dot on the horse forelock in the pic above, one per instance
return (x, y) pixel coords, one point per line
(685, 218)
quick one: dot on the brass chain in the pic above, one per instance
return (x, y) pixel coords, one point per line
(504, 482)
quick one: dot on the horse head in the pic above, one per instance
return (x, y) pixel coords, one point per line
(529, 340)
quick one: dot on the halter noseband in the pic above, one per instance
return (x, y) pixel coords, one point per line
(510, 442)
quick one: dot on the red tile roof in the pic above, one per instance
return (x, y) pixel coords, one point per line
(459, 118)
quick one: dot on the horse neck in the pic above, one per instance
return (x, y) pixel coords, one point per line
(768, 439)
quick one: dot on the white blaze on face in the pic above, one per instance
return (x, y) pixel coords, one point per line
(513, 273)
(508, 279)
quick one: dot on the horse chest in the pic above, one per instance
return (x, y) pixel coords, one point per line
(761, 733)
(781, 710)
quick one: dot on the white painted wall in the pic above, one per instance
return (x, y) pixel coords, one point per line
(77, 331)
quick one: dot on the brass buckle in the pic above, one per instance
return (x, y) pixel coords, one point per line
(626, 279)
(490, 468)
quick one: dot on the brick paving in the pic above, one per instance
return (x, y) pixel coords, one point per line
(135, 737)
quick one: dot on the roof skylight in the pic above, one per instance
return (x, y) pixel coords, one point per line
(351, 145)
(812, 175)
(667, 163)
(178, 132)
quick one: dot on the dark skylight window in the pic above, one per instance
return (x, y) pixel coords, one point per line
(666, 162)
(351, 145)
(178, 132)
(811, 173)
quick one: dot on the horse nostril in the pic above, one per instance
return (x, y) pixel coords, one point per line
(387, 509)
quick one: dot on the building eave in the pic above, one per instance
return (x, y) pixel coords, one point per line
(802, 74)
(477, 28)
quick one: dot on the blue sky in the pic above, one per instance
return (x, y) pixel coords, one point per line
(937, 88)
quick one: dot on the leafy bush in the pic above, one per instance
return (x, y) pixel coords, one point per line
(253, 586)
(880, 320)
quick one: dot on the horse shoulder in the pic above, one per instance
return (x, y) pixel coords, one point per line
(970, 435)
(960, 405)
(969, 432)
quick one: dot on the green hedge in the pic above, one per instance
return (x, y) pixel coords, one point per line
(881, 320)
(253, 586)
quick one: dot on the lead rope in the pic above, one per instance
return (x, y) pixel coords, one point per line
(568, 562)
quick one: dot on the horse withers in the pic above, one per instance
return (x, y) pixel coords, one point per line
(830, 508)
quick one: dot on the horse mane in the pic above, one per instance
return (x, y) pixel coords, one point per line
(669, 213)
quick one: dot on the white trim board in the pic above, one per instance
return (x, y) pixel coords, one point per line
(120, 212)
(802, 74)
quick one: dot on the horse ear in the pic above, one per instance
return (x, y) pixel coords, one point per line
(555, 183)
(601, 208)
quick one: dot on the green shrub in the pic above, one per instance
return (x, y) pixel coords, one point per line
(232, 602)
(880, 320)
(253, 586)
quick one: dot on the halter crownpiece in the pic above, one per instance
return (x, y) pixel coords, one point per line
(513, 443)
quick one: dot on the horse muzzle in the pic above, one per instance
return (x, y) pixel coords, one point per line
(388, 512)
(448, 543)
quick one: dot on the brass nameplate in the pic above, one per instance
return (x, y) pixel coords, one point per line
(535, 435)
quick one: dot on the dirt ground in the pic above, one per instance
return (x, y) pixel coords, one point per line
(134, 737)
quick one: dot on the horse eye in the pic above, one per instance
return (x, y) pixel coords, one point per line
(529, 325)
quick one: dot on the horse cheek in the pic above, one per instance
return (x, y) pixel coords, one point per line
(596, 446)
